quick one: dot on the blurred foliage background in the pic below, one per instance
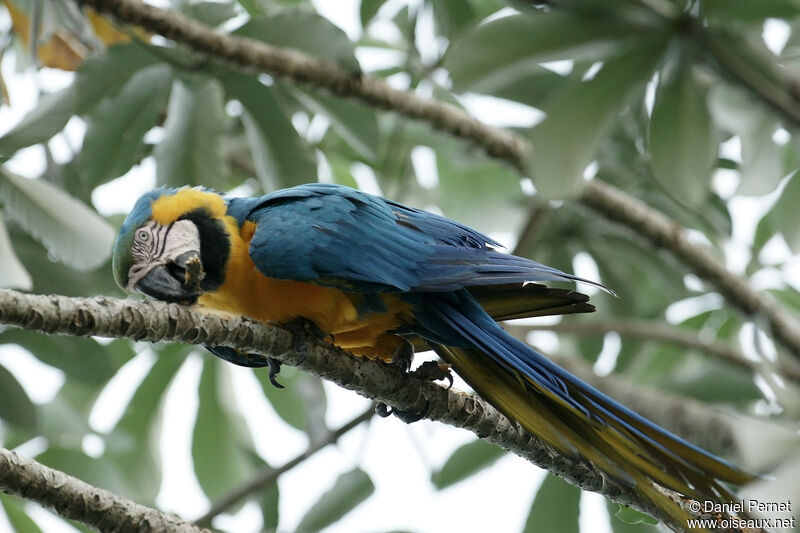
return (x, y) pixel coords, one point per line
(688, 105)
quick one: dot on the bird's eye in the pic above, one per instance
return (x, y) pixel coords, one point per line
(143, 235)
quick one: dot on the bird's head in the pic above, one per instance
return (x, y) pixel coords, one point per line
(174, 245)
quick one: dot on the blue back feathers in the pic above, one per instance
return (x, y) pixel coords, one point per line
(342, 237)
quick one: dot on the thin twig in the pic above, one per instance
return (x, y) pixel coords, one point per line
(268, 475)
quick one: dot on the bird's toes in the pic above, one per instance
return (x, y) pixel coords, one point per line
(409, 417)
(403, 355)
(435, 371)
(300, 329)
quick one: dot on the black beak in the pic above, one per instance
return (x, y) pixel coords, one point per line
(178, 281)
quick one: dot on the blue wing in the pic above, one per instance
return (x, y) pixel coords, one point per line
(338, 236)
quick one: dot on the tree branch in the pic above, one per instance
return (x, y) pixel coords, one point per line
(502, 144)
(775, 86)
(270, 475)
(158, 321)
(303, 68)
(656, 331)
(665, 233)
(74, 499)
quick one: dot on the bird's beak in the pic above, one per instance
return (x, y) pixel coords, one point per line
(177, 281)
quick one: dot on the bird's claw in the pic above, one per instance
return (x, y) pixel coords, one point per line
(403, 356)
(242, 358)
(409, 417)
(383, 410)
(274, 370)
(435, 371)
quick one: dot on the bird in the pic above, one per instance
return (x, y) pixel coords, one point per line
(379, 278)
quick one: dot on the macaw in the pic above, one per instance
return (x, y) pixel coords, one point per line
(377, 276)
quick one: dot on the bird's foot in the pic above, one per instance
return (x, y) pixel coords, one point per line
(409, 417)
(429, 371)
(435, 371)
(250, 360)
(300, 329)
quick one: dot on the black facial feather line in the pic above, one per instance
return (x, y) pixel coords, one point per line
(215, 246)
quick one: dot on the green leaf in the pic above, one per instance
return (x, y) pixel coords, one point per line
(191, 152)
(452, 16)
(133, 444)
(555, 508)
(252, 7)
(466, 461)
(463, 193)
(143, 407)
(736, 111)
(54, 277)
(340, 168)
(632, 516)
(282, 158)
(80, 358)
(98, 471)
(762, 160)
(17, 517)
(533, 87)
(349, 490)
(105, 73)
(45, 120)
(681, 140)
(406, 22)
(114, 139)
(290, 402)
(785, 215)
(714, 382)
(750, 10)
(13, 274)
(306, 31)
(497, 54)
(99, 75)
(65, 418)
(368, 10)
(15, 406)
(643, 273)
(209, 13)
(565, 142)
(220, 461)
(354, 122)
(269, 499)
(788, 297)
(71, 231)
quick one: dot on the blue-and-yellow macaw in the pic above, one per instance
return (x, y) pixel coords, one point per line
(372, 274)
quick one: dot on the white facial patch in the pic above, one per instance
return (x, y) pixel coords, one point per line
(155, 245)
